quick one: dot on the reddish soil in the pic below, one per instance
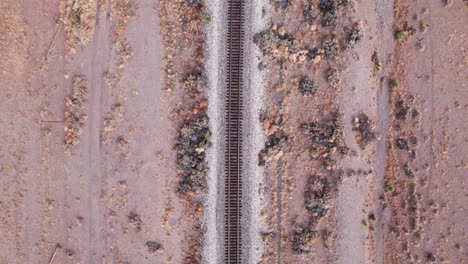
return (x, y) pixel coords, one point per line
(113, 197)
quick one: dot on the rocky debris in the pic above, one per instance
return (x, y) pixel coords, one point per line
(329, 18)
(307, 86)
(310, 15)
(333, 78)
(69, 253)
(302, 239)
(325, 137)
(402, 144)
(447, 3)
(135, 221)
(330, 46)
(152, 246)
(277, 141)
(79, 19)
(76, 108)
(365, 129)
(275, 145)
(353, 36)
(194, 139)
(317, 197)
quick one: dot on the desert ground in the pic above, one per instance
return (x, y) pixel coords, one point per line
(113, 131)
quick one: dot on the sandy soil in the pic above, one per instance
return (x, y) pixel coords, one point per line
(113, 200)
(355, 130)
(429, 203)
(376, 212)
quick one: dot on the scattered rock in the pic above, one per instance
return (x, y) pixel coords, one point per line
(277, 141)
(152, 246)
(275, 145)
(430, 257)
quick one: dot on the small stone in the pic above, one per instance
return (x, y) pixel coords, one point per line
(123, 185)
(152, 246)
(317, 59)
(302, 58)
(281, 31)
(420, 47)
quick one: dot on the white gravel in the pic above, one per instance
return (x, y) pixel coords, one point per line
(215, 63)
(253, 175)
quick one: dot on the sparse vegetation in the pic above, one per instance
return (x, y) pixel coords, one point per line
(330, 12)
(394, 84)
(365, 129)
(310, 15)
(333, 78)
(193, 140)
(303, 236)
(401, 110)
(353, 36)
(377, 63)
(317, 197)
(401, 35)
(78, 18)
(325, 138)
(76, 108)
(330, 46)
(402, 144)
(307, 86)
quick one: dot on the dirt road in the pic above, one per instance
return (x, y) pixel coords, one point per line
(112, 199)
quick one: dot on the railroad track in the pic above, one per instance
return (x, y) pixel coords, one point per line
(233, 182)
